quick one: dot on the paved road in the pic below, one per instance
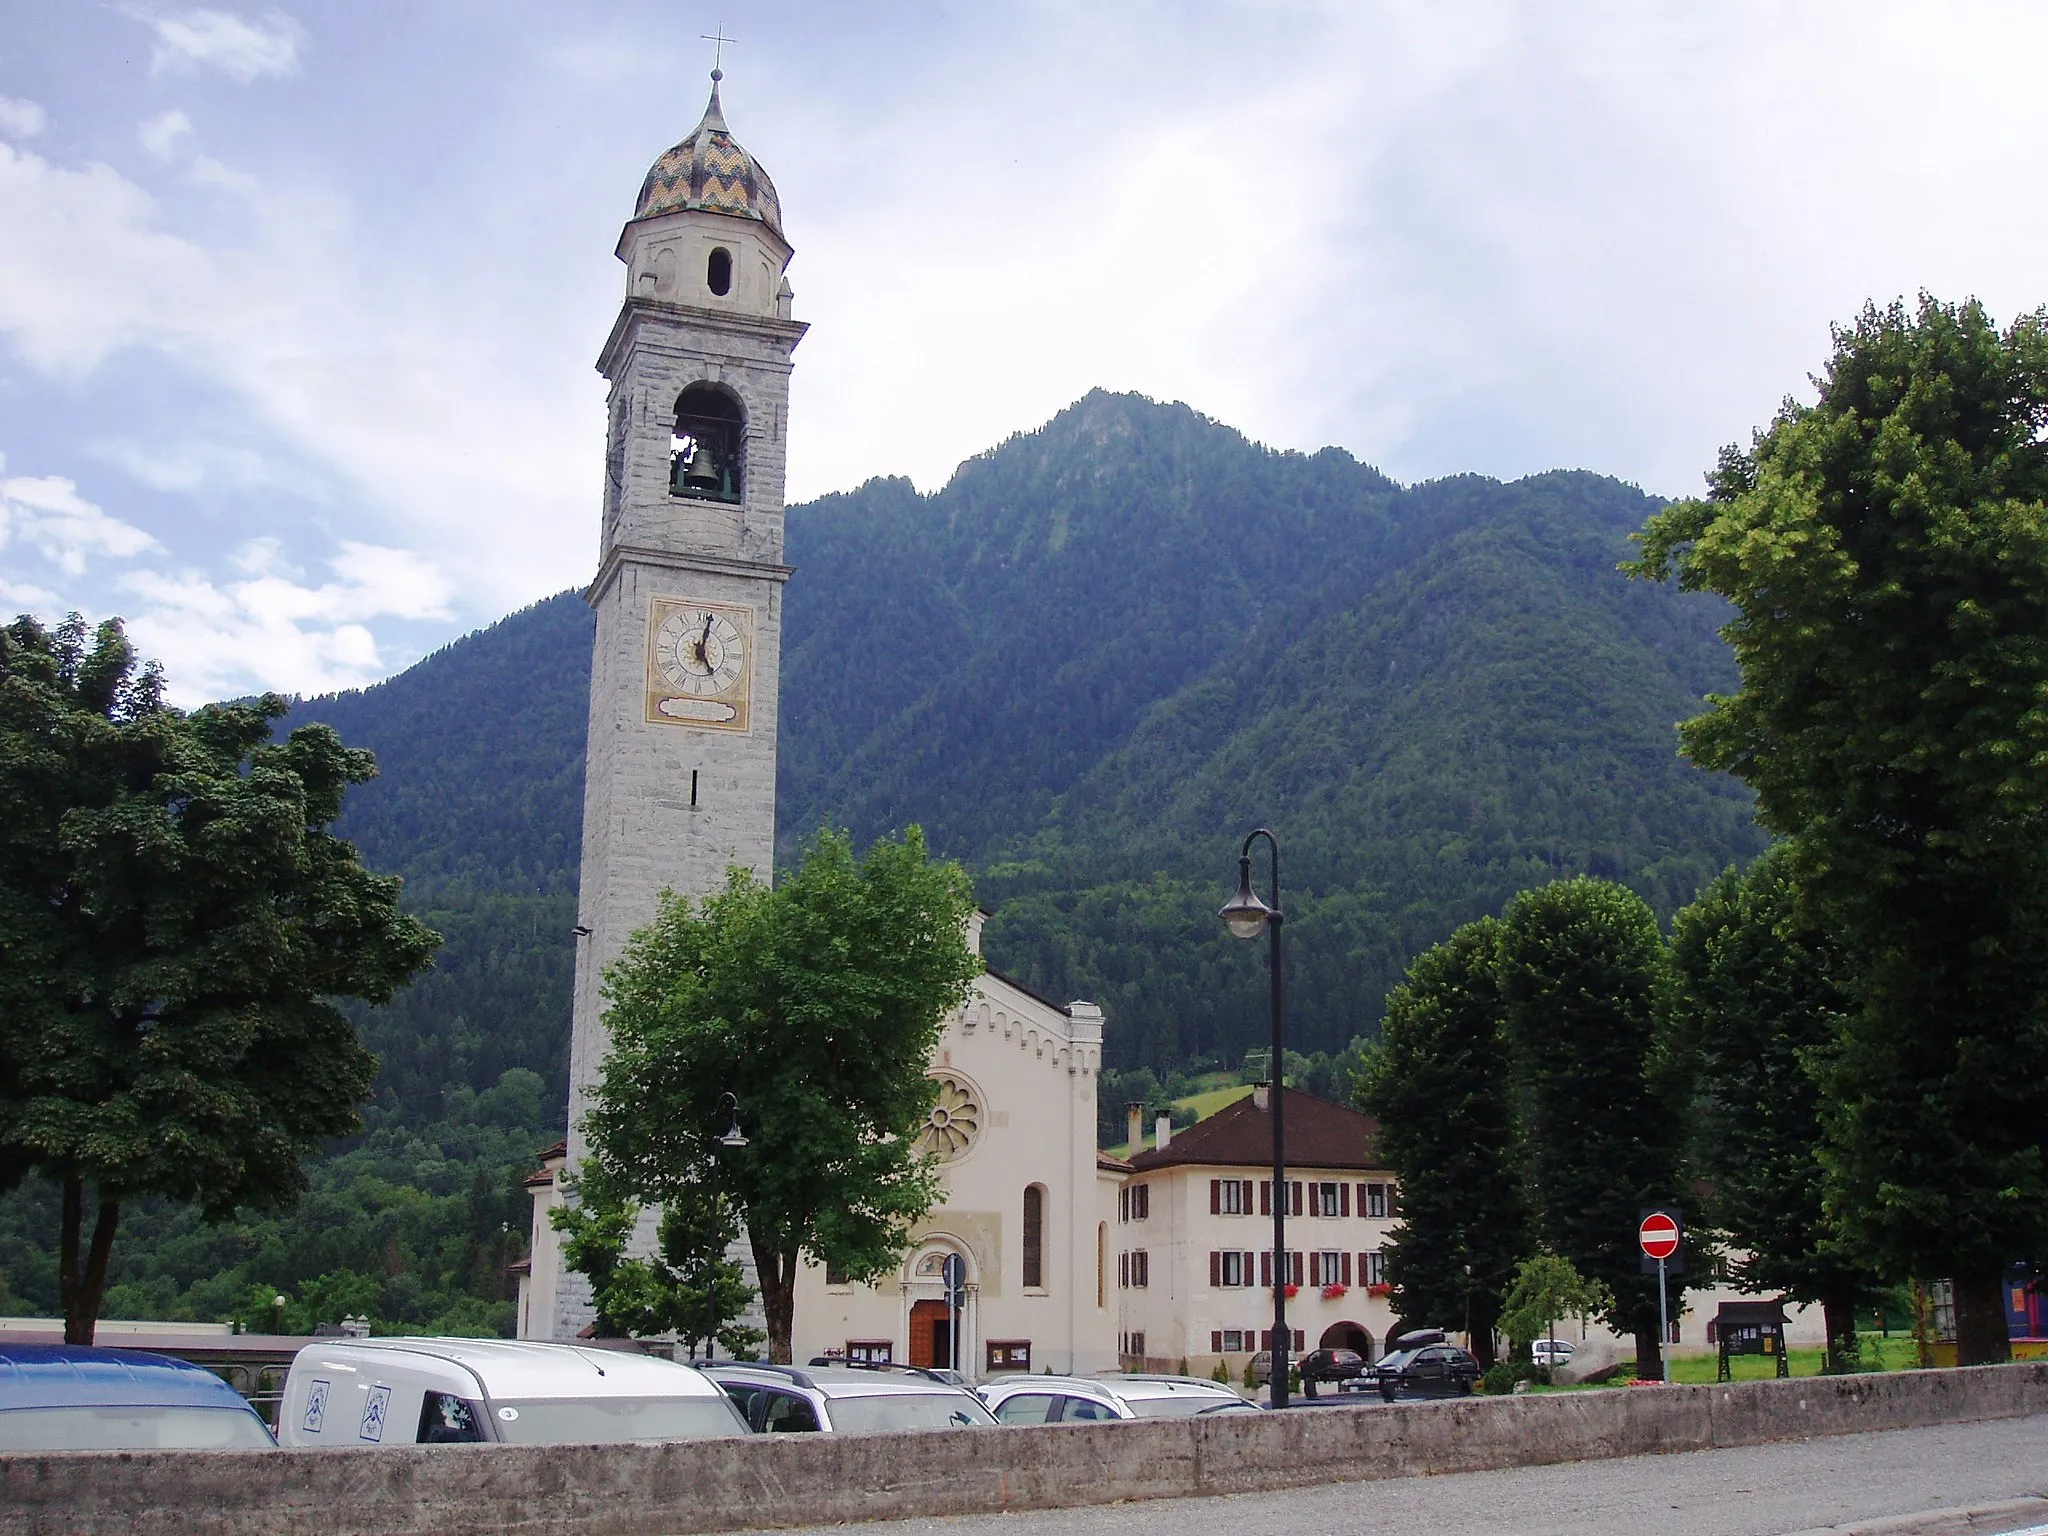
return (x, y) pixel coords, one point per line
(1772, 1490)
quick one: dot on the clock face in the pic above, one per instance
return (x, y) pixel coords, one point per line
(699, 663)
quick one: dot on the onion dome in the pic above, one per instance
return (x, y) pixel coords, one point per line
(709, 171)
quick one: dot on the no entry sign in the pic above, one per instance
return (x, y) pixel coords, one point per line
(1658, 1235)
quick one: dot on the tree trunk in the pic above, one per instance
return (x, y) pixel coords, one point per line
(778, 1296)
(1649, 1354)
(1981, 1336)
(79, 1288)
(1479, 1339)
(1845, 1350)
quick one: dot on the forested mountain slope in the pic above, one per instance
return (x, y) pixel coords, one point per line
(1087, 666)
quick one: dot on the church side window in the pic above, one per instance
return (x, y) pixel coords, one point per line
(1034, 1237)
(705, 449)
(718, 272)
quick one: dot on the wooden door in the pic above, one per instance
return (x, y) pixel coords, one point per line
(930, 1335)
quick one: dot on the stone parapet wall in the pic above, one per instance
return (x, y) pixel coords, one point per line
(816, 1479)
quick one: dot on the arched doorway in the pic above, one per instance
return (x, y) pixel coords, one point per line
(1348, 1336)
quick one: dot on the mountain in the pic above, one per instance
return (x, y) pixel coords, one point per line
(1087, 666)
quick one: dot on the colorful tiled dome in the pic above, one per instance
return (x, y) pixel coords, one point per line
(709, 170)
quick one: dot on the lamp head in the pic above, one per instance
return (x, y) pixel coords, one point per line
(732, 1138)
(1244, 914)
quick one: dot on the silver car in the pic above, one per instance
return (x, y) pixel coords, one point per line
(791, 1399)
(1173, 1397)
(1023, 1399)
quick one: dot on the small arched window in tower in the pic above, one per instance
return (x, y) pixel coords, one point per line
(718, 271)
(705, 450)
(1034, 1237)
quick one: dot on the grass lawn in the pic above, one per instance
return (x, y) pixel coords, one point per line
(1879, 1353)
(1218, 1089)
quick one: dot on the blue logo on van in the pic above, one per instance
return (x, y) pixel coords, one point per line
(316, 1408)
(373, 1414)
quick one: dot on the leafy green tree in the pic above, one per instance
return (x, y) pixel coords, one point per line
(1583, 975)
(688, 1284)
(1759, 1001)
(1546, 1288)
(175, 920)
(1440, 1090)
(1886, 550)
(817, 1003)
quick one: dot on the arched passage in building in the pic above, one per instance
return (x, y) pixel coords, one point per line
(1347, 1336)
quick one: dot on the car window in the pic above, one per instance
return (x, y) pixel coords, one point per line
(908, 1410)
(779, 1413)
(132, 1429)
(1180, 1406)
(1396, 1360)
(1028, 1408)
(1085, 1408)
(448, 1420)
(612, 1420)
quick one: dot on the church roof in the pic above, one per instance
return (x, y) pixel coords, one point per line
(1240, 1135)
(709, 171)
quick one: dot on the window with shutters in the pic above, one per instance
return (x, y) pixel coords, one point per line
(1230, 1268)
(1376, 1201)
(1123, 1204)
(836, 1276)
(1034, 1237)
(1233, 1341)
(1138, 1345)
(1230, 1197)
(1671, 1327)
(1141, 1269)
(1326, 1268)
(1141, 1201)
(1294, 1267)
(1322, 1199)
(1123, 1271)
(1102, 1264)
(1300, 1339)
(1373, 1266)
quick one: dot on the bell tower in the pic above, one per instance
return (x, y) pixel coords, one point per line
(680, 767)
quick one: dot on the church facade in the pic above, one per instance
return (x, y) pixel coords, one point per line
(680, 785)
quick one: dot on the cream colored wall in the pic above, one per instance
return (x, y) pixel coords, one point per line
(1031, 1069)
(544, 1249)
(1179, 1309)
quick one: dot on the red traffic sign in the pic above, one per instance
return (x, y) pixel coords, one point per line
(1658, 1235)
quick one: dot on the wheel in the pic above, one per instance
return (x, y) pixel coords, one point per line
(1464, 1387)
(1388, 1391)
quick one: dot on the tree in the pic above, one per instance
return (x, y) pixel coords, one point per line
(1886, 550)
(1759, 1001)
(175, 921)
(817, 1003)
(1440, 1090)
(1583, 977)
(1546, 1288)
(689, 1285)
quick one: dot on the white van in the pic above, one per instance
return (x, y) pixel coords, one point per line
(357, 1392)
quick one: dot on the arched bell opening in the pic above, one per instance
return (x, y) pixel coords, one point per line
(718, 271)
(1347, 1336)
(707, 445)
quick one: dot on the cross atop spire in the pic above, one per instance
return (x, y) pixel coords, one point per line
(718, 40)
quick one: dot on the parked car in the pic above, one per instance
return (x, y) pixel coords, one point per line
(357, 1392)
(1552, 1352)
(1026, 1399)
(1434, 1370)
(65, 1397)
(789, 1399)
(1345, 1368)
(1170, 1397)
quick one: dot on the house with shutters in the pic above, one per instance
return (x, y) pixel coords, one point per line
(1194, 1237)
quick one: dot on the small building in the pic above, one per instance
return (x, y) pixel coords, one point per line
(1194, 1258)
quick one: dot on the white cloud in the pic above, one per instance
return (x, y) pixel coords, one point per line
(162, 136)
(192, 466)
(23, 119)
(241, 49)
(47, 514)
(271, 630)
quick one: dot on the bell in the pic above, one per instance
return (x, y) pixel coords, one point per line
(701, 471)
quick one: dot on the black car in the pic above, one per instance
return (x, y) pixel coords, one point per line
(1325, 1365)
(1430, 1370)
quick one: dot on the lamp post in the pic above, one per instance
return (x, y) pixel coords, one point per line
(1247, 917)
(732, 1138)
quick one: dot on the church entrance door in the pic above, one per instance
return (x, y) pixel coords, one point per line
(931, 1335)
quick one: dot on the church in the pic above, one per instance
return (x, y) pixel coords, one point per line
(680, 784)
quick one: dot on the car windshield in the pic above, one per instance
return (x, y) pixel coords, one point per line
(1396, 1360)
(132, 1429)
(881, 1412)
(1182, 1405)
(602, 1420)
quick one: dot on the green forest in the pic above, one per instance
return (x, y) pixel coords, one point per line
(1119, 643)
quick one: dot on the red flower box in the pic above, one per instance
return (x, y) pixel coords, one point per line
(1382, 1289)
(1332, 1291)
(1291, 1291)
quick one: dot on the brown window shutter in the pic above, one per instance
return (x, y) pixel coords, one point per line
(1245, 1200)
(1215, 1197)
(1294, 1198)
(1215, 1269)
(1247, 1269)
(1215, 1341)
(1343, 1199)
(1265, 1197)
(1347, 1269)
(1266, 1268)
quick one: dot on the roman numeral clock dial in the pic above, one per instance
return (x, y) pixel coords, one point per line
(699, 663)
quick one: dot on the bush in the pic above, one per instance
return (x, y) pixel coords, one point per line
(1221, 1373)
(1504, 1376)
(1250, 1380)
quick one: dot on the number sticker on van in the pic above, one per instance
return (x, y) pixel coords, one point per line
(316, 1407)
(373, 1414)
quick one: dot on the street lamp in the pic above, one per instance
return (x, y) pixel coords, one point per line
(732, 1138)
(1247, 917)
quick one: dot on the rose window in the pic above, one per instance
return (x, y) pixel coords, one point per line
(955, 1119)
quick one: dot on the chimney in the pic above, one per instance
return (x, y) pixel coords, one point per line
(1260, 1096)
(1162, 1131)
(1134, 1128)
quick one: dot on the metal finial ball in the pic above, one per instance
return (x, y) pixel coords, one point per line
(717, 75)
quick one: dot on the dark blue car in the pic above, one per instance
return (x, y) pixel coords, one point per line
(61, 1397)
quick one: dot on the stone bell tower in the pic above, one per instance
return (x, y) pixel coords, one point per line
(680, 768)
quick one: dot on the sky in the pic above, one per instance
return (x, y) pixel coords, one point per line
(299, 306)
